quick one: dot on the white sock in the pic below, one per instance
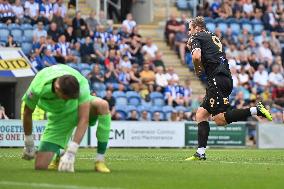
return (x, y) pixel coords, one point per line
(253, 111)
(201, 151)
(100, 157)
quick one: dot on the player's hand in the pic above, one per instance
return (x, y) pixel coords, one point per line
(67, 161)
(29, 149)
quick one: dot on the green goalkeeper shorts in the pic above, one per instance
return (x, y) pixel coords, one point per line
(48, 147)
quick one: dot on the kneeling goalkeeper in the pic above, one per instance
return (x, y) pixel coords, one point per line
(65, 95)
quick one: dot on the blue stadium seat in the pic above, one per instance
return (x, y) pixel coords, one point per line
(219, 20)
(236, 28)
(223, 27)
(82, 66)
(26, 27)
(28, 35)
(100, 93)
(122, 111)
(118, 93)
(14, 26)
(208, 19)
(26, 48)
(18, 35)
(258, 28)
(85, 72)
(3, 26)
(131, 108)
(160, 110)
(211, 27)
(231, 20)
(247, 26)
(98, 86)
(168, 111)
(181, 109)
(157, 99)
(73, 65)
(120, 98)
(4, 33)
(244, 21)
(182, 4)
(133, 98)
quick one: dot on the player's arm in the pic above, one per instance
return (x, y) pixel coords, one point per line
(196, 55)
(83, 122)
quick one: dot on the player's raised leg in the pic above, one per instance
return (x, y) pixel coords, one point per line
(100, 109)
(202, 116)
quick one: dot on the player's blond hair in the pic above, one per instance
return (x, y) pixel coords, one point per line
(198, 21)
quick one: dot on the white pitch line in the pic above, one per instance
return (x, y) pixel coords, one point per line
(47, 185)
(249, 163)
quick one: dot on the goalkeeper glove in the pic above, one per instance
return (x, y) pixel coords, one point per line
(29, 149)
(67, 161)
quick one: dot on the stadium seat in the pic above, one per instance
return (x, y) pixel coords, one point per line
(157, 99)
(18, 35)
(26, 27)
(208, 20)
(4, 33)
(122, 111)
(182, 4)
(3, 26)
(223, 27)
(98, 86)
(83, 66)
(26, 48)
(85, 72)
(244, 21)
(133, 98)
(160, 110)
(231, 20)
(131, 108)
(14, 26)
(219, 20)
(258, 28)
(168, 111)
(142, 108)
(120, 98)
(211, 26)
(181, 109)
(236, 28)
(101, 93)
(247, 26)
(28, 35)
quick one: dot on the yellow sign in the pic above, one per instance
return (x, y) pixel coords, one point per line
(14, 64)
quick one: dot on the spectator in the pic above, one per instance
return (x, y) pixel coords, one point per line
(215, 6)
(96, 75)
(269, 19)
(69, 35)
(253, 61)
(275, 78)
(6, 12)
(102, 19)
(248, 9)
(158, 60)
(39, 46)
(265, 54)
(157, 116)
(147, 76)
(124, 48)
(111, 75)
(56, 18)
(79, 25)
(275, 43)
(101, 50)
(135, 35)
(123, 76)
(170, 94)
(133, 116)
(60, 7)
(172, 26)
(125, 62)
(232, 52)
(135, 81)
(39, 31)
(18, 11)
(53, 32)
(32, 11)
(235, 77)
(144, 116)
(111, 102)
(63, 51)
(243, 77)
(187, 93)
(135, 51)
(48, 59)
(87, 51)
(161, 78)
(92, 22)
(46, 11)
(129, 23)
(2, 113)
(171, 75)
(112, 58)
(260, 78)
(181, 38)
(149, 49)
(11, 42)
(225, 11)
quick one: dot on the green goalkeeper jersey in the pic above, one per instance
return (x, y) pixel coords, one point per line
(62, 114)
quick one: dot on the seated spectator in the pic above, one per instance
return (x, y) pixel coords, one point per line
(265, 54)
(135, 51)
(101, 50)
(125, 62)
(112, 45)
(144, 116)
(171, 94)
(45, 11)
(172, 26)
(123, 76)
(39, 31)
(129, 23)
(95, 75)
(161, 78)
(232, 52)
(87, 51)
(18, 11)
(112, 57)
(69, 35)
(48, 59)
(124, 48)
(60, 7)
(135, 35)
(79, 25)
(3, 113)
(58, 20)
(243, 77)
(92, 22)
(275, 78)
(63, 51)
(147, 76)
(111, 102)
(215, 6)
(158, 60)
(171, 75)
(111, 75)
(260, 78)
(53, 32)
(253, 61)
(248, 9)
(157, 116)
(135, 81)
(275, 43)
(180, 42)
(187, 93)
(6, 12)
(235, 76)
(11, 42)
(103, 20)
(133, 116)
(225, 11)
(31, 11)
(149, 49)
(39, 46)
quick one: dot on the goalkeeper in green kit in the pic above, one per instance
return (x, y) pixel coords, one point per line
(65, 95)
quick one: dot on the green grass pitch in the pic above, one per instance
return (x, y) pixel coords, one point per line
(152, 169)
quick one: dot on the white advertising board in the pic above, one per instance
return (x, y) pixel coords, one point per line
(270, 135)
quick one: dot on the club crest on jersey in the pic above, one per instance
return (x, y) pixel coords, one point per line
(30, 95)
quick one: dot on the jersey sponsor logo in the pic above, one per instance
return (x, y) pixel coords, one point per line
(30, 95)
(14, 64)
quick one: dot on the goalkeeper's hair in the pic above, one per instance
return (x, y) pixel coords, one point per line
(198, 21)
(69, 86)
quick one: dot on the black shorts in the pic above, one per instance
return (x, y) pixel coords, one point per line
(216, 99)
